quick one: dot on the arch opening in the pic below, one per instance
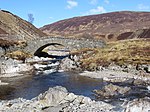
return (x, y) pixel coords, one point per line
(52, 50)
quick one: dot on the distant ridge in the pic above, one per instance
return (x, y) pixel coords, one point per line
(109, 26)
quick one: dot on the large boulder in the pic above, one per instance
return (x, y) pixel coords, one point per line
(53, 96)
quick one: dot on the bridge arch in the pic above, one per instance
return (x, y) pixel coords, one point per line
(52, 50)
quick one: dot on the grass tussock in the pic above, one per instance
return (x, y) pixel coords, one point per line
(19, 55)
(119, 52)
(8, 43)
(4, 43)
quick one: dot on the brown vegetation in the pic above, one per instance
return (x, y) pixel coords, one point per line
(108, 26)
(120, 52)
(7, 43)
(4, 43)
(19, 55)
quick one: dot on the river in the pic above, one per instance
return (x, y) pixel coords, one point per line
(31, 86)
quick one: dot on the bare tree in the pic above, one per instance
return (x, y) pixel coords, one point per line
(30, 18)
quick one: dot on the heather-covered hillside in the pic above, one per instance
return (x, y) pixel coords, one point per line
(108, 26)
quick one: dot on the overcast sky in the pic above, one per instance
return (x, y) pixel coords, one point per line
(49, 11)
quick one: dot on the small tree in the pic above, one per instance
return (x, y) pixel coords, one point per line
(30, 18)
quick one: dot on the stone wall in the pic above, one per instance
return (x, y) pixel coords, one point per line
(69, 43)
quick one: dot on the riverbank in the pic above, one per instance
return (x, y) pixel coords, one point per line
(117, 76)
(55, 100)
(58, 99)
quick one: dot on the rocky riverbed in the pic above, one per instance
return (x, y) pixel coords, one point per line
(125, 89)
(58, 99)
(55, 100)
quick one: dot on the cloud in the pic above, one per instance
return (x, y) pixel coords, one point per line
(106, 1)
(71, 4)
(50, 17)
(94, 2)
(97, 10)
(143, 7)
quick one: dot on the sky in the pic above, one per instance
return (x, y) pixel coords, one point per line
(49, 11)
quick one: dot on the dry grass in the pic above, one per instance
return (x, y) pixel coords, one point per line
(120, 52)
(4, 43)
(19, 55)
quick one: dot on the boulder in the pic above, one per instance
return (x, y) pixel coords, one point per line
(138, 105)
(68, 65)
(11, 67)
(138, 82)
(112, 91)
(147, 68)
(53, 96)
(56, 99)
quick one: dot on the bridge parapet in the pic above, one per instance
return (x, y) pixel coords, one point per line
(69, 43)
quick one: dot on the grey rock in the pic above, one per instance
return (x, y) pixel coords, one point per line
(147, 68)
(114, 67)
(139, 82)
(68, 65)
(55, 100)
(1, 52)
(53, 109)
(54, 96)
(10, 67)
(111, 91)
(138, 105)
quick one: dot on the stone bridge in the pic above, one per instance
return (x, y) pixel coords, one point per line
(69, 43)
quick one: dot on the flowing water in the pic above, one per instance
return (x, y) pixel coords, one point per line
(31, 86)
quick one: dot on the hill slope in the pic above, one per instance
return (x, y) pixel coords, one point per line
(108, 26)
(13, 25)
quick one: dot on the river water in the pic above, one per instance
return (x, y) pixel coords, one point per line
(31, 86)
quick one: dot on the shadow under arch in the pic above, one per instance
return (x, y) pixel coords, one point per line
(41, 53)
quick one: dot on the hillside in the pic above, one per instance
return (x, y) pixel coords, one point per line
(14, 26)
(108, 26)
